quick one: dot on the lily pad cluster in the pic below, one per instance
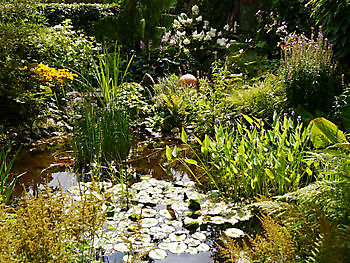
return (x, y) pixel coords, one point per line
(158, 218)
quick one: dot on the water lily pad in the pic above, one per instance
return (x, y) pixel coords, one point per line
(191, 242)
(154, 191)
(200, 236)
(218, 220)
(167, 229)
(177, 247)
(191, 251)
(149, 212)
(176, 223)
(141, 239)
(156, 229)
(121, 247)
(203, 247)
(177, 236)
(107, 246)
(164, 245)
(232, 220)
(234, 232)
(157, 254)
(165, 213)
(149, 222)
(191, 224)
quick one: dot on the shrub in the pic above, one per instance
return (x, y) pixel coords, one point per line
(310, 73)
(49, 228)
(83, 16)
(334, 16)
(261, 99)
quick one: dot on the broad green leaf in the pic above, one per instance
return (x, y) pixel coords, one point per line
(191, 161)
(325, 133)
(183, 136)
(168, 153)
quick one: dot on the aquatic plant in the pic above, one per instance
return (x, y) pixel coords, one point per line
(247, 160)
(6, 186)
(102, 134)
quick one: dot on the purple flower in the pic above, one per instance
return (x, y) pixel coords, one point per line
(292, 113)
(285, 114)
(275, 138)
(251, 127)
(299, 118)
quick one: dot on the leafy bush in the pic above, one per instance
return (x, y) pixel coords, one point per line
(310, 74)
(83, 16)
(50, 228)
(334, 16)
(276, 19)
(261, 99)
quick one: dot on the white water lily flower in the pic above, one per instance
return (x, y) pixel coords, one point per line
(186, 41)
(186, 50)
(219, 34)
(227, 27)
(212, 32)
(206, 24)
(195, 10)
(221, 41)
(199, 19)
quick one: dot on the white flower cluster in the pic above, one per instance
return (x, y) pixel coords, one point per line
(191, 31)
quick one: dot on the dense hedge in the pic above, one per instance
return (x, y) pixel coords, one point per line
(83, 16)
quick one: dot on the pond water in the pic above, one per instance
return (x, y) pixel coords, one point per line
(49, 164)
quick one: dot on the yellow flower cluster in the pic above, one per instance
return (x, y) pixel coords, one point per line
(50, 74)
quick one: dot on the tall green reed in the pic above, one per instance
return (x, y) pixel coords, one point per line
(6, 185)
(248, 160)
(101, 136)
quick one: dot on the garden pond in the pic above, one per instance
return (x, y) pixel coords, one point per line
(164, 215)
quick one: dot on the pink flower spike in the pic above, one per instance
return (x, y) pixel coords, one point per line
(228, 45)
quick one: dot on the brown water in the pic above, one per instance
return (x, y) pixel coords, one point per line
(48, 162)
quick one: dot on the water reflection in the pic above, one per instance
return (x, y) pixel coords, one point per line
(203, 257)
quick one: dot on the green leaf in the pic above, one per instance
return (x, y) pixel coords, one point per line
(168, 153)
(183, 136)
(324, 133)
(308, 170)
(191, 161)
(269, 173)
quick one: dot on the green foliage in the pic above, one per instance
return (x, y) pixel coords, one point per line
(324, 133)
(6, 186)
(261, 99)
(278, 17)
(334, 16)
(102, 134)
(310, 73)
(342, 108)
(83, 16)
(50, 228)
(136, 22)
(243, 162)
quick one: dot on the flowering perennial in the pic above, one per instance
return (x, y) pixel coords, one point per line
(47, 73)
